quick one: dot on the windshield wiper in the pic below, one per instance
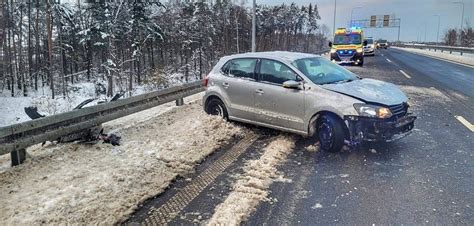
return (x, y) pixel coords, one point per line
(339, 81)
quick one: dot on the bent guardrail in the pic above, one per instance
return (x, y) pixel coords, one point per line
(15, 138)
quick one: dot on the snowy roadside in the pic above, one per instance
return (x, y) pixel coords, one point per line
(465, 59)
(12, 108)
(101, 184)
(252, 186)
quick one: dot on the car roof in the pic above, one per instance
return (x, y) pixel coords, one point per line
(286, 56)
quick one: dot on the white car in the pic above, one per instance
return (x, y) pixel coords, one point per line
(369, 49)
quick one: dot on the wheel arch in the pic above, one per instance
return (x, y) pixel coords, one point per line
(315, 117)
(211, 97)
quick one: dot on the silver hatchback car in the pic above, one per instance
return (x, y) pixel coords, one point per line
(308, 95)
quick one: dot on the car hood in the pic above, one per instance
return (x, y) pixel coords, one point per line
(370, 90)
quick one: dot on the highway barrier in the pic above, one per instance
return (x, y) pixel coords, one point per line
(450, 49)
(16, 138)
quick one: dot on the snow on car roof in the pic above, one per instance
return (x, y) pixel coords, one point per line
(275, 55)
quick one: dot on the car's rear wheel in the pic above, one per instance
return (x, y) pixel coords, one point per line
(216, 107)
(330, 133)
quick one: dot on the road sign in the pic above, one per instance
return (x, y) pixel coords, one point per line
(386, 20)
(373, 21)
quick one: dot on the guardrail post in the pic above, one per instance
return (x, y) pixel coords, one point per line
(180, 102)
(18, 157)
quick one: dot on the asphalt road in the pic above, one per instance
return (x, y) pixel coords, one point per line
(424, 178)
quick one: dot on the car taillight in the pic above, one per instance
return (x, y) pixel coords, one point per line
(206, 81)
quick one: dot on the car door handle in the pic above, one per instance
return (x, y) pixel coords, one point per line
(225, 85)
(259, 91)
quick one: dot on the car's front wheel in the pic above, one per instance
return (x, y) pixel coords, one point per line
(216, 107)
(330, 133)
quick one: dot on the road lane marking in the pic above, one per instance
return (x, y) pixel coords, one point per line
(465, 122)
(388, 60)
(406, 75)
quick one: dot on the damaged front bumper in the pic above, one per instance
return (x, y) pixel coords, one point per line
(374, 129)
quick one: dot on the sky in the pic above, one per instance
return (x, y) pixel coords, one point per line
(416, 15)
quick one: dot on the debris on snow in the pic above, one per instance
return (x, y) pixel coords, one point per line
(100, 184)
(252, 186)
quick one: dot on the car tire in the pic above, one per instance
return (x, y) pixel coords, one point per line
(330, 133)
(216, 107)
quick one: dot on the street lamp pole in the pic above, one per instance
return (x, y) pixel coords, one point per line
(352, 12)
(254, 24)
(334, 24)
(437, 34)
(462, 15)
(426, 27)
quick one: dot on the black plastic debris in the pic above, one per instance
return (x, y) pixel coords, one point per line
(83, 103)
(110, 139)
(33, 113)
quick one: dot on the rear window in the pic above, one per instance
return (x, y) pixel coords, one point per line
(241, 68)
(369, 41)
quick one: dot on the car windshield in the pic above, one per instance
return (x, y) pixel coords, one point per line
(322, 71)
(347, 39)
(383, 41)
(370, 41)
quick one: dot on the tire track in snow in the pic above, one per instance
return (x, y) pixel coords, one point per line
(252, 187)
(168, 211)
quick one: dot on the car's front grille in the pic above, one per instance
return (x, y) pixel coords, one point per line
(399, 110)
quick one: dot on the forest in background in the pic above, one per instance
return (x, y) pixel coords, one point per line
(127, 43)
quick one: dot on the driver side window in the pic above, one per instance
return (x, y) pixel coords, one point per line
(275, 72)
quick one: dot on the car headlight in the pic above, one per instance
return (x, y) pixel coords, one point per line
(333, 50)
(373, 111)
(359, 50)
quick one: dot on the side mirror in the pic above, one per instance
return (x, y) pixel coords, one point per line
(290, 84)
(365, 42)
(330, 44)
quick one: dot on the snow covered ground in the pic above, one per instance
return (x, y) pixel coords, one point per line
(456, 57)
(252, 186)
(12, 108)
(102, 184)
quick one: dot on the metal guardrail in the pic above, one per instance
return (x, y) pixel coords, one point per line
(449, 49)
(16, 137)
